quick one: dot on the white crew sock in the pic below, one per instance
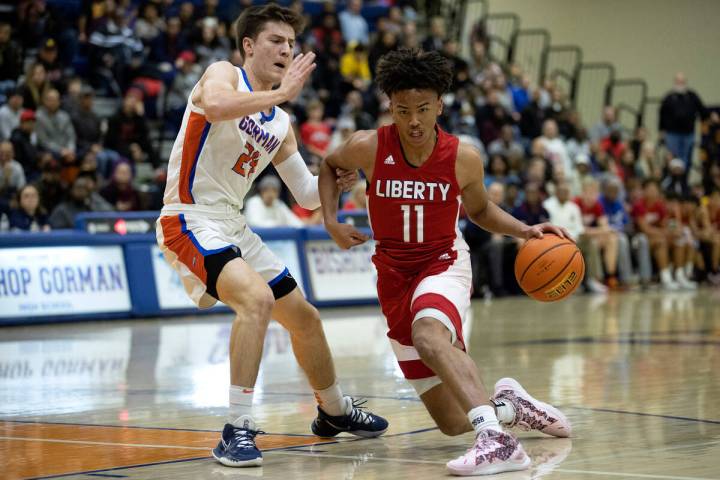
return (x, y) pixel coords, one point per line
(689, 270)
(241, 401)
(505, 411)
(331, 400)
(483, 418)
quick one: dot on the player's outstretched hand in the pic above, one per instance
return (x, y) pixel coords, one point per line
(346, 179)
(300, 69)
(345, 235)
(536, 231)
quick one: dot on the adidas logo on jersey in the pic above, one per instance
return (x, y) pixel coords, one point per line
(389, 160)
(444, 256)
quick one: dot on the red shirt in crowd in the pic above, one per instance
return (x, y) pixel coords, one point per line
(590, 213)
(654, 214)
(316, 136)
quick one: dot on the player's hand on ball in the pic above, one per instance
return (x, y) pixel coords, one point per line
(345, 235)
(536, 231)
(346, 178)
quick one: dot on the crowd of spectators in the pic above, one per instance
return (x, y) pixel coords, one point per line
(88, 96)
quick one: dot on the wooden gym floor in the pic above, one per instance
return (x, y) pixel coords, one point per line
(638, 374)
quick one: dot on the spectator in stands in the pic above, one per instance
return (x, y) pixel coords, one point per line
(707, 234)
(683, 242)
(605, 126)
(35, 86)
(597, 228)
(613, 145)
(48, 57)
(315, 132)
(498, 171)
(78, 201)
(552, 147)
(120, 192)
(650, 215)
(127, 131)
(112, 47)
(678, 112)
(648, 164)
(213, 45)
(675, 181)
(265, 209)
(384, 43)
(25, 142)
(344, 127)
(461, 70)
(619, 220)
(166, 47)
(87, 125)
(520, 93)
(188, 74)
(150, 24)
(56, 134)
(353, 25)
(92, 13)
(490, 118)
(565, 213)
(12, 176)
(354, 66)
(531, 211)
(532, 118)
(437, 35)
(29, 215)
(354, 108)
(10, 114)
(10, 58)
(506, 144)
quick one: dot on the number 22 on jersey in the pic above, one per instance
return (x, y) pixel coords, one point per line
(406, 211)
(247, 161)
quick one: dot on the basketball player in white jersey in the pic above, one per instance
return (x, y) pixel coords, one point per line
(231, 130)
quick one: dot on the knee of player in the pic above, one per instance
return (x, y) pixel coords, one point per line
(428, 344)
(255, 300)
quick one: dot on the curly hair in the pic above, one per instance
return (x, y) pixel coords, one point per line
(406, 69)
(253, 19)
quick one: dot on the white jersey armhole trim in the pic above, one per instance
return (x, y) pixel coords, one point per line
(195, 108)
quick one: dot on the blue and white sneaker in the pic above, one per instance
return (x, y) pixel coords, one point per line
(356, 421)
(237, 446)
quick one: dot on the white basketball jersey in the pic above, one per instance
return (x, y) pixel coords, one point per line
(214, 164)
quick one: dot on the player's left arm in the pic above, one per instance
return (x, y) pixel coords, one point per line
(302, 183)
(484, 213)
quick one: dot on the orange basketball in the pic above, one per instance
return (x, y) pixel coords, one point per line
(549, 268)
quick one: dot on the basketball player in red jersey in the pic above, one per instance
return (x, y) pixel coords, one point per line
(418, 175)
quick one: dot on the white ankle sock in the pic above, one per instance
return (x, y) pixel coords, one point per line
(241, 400)
(483, 418)
(689, 269)
(331, 400)
(505, 411)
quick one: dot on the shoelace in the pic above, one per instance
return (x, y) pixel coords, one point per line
(246, 438)
(357, 414)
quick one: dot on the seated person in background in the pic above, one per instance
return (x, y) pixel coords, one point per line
(315, 132)
(265, 209)
(29, 216)
(695, 215)
(619, 220)
(675, 181)
(120, 192)
(650, 215)
(596, 227)
(531, 211)
(12, 176)
(565, 213)
(78, 201)
(682, 242)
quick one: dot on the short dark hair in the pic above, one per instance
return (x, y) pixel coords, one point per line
(407, 69)
(253, 19)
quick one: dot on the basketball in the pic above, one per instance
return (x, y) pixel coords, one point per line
(549, 268)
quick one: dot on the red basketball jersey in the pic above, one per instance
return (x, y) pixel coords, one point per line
(414, 210)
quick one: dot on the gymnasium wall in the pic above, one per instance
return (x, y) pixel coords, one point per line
(650, 39)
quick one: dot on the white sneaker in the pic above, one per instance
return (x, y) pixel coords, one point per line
(493, 452)
(683, 281)
(667, 281)
(530, 413)
(596, 287)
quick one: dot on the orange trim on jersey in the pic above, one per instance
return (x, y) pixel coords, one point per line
(181, 245)
(195, 134)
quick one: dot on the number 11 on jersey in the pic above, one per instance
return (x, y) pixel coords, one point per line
(406, 222)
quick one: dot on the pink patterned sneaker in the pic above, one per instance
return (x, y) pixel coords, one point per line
(530, 414)
(493, 452)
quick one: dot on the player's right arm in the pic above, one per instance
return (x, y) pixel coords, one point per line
(358, 152)
(217, 91)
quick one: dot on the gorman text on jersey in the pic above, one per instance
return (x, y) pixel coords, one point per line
(411, 189)
(262, 137)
